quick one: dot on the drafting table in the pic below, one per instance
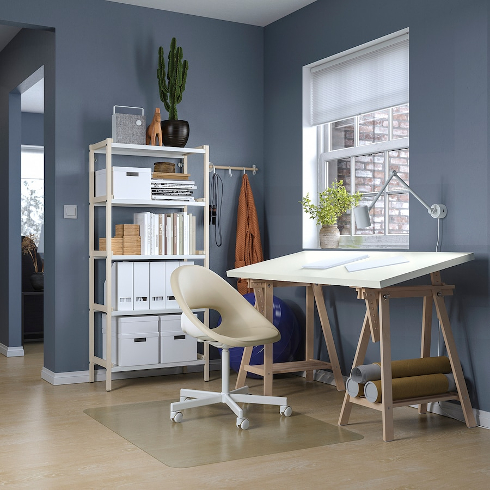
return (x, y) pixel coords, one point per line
(375, 286)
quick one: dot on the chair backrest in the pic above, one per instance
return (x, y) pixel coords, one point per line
(196, 287)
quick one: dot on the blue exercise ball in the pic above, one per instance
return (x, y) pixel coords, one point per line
(285, 349)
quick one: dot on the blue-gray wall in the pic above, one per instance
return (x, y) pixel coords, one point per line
(449, 87)
(24, 55)
(32, 129)
(243, 98)
(106, 54)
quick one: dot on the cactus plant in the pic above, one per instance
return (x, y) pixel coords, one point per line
(171, 84)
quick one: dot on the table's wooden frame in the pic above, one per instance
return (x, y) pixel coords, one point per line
(377, 324)
(264, 303)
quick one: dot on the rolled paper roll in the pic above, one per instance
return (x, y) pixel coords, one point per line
(365, 373)
(411, 387)
(402, 369)
(354, 389)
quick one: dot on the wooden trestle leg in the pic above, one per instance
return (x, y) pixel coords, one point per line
(358, 360)
(386, 379)
(327, 333)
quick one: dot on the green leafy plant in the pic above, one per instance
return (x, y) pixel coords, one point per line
(332, 203)
(171, 84)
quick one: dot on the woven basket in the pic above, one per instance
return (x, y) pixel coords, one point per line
(165, 167)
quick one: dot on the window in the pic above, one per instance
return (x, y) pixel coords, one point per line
(356, 129)
(32, 191)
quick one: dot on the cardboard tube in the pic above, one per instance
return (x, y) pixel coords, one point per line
(411, 387)
(402, 369)
(354, 389)
(365, 373)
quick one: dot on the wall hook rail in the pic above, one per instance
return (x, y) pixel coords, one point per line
(252, 169)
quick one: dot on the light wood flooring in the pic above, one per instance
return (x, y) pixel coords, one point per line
(47, 442)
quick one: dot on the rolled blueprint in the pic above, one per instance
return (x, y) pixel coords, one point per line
(354, 389)
(412, 387)
(402, 369)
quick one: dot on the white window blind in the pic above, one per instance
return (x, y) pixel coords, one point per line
(361, 81)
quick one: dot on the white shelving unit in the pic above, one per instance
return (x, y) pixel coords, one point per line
(108, 148)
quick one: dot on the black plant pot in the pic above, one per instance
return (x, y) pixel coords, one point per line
(175, 133)
(37, 281)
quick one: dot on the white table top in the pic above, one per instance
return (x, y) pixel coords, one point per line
(289, 268)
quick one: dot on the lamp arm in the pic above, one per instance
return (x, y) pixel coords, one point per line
(395, 174)
(381, 191)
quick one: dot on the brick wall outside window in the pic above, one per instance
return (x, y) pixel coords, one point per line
(370, 171)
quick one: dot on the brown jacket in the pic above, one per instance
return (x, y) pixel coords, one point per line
(248, 245)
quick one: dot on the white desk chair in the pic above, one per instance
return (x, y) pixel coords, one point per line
(241, 326)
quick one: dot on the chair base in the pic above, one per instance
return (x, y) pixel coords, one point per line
(196, 398)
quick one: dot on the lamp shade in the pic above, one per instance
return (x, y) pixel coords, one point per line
(361, 214)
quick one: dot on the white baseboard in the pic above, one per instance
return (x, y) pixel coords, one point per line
(11, 351)
(74, 377)
(446, 409)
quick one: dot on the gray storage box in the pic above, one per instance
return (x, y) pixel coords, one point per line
(129, 128)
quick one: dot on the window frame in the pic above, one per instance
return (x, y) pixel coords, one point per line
(327, 175)
(313, 141)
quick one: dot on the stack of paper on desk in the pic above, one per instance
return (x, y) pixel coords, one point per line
(334, 261)
(373, 264)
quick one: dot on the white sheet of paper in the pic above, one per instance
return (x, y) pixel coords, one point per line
(373, 264)
(339, 259)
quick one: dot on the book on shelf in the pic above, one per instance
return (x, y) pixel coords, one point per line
(167, 233)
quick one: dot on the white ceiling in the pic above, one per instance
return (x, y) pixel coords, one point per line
(254, 12)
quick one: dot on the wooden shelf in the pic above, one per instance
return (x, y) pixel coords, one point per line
(152, 203)
(150, 312)
(97, 254)
(146, 150)
(116, 369)
(407, 401)
(108, 148)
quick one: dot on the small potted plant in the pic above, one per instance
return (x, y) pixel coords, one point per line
(171, 86)
(333, 202)
(29, 248)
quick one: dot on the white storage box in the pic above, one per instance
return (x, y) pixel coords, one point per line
(137, 324)
(170, 323)
(127, 183)
(137, 349)
(177, 347)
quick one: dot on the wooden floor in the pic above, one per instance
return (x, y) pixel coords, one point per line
(47, 442)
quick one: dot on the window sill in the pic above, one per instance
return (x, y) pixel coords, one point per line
(373, 242)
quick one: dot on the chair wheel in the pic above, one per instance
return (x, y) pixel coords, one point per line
(286, 410)
(176, 416)
(242, 423)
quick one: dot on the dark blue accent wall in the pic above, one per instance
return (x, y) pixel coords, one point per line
(449, 86)
(106, 54)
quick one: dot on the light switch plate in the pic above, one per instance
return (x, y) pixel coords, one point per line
(70, 211)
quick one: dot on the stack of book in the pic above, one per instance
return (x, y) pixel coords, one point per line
(172, 187)
(167, 234)
(126, 242)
